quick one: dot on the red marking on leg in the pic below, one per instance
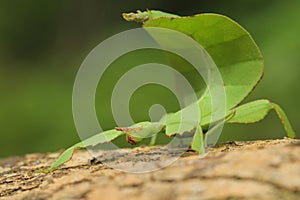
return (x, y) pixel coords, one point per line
(131, 140)
(127, 129)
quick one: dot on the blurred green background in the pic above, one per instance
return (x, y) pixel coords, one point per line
(42, 44)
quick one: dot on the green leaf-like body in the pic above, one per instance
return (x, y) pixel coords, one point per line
(237, 58)
(230, 46)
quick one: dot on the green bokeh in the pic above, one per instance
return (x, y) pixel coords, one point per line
(42, 45)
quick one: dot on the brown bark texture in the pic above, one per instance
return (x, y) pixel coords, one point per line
(267, 169)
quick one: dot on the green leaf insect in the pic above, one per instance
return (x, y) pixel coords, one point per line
(240, 63)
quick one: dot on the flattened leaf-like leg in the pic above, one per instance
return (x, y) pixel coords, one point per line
(197, 143)
(103, 137)
(257, 110)
(153, 140)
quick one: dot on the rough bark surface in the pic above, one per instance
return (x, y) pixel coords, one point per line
(236, 170)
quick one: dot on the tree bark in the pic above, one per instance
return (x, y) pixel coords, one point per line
(236, 170)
